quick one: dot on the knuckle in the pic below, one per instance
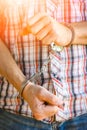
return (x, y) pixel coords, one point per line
(38, 113)
(53, 100)
(41, 91)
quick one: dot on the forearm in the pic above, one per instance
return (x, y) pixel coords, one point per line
(80, 33)
(9, 68)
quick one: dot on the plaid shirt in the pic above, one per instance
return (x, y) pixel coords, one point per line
(68, 68)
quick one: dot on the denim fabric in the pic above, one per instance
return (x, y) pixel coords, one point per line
(9, 121)
(77, 123)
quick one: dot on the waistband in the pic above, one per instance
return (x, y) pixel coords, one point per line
(4, 114)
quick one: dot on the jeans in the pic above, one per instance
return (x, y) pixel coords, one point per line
(9, 121)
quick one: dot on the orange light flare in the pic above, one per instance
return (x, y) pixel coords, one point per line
(25, 31)
(6, 4)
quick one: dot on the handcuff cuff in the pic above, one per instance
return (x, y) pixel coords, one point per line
(36, 77)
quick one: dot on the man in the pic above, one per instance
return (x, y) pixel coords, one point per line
(30, 28)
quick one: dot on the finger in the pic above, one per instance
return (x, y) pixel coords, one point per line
(26, 30)
(36, 18)
(50, 110)
(42, 33)
(39, 25)
(50, 37)
(50, 98)
(45, 112)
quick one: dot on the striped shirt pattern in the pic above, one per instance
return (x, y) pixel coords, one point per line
(65, 76)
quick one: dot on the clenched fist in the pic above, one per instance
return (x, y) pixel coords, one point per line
(48, 30)
(42, 103)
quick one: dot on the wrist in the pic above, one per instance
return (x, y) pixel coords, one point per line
(23, 86)
(27, 90)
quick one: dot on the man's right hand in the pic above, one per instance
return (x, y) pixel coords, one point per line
(42, 103)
